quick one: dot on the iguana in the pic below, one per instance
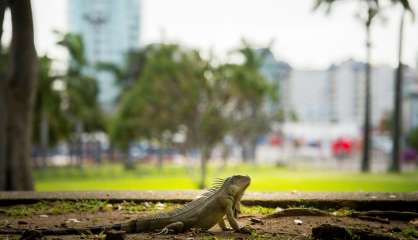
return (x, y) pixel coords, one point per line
(202, 213)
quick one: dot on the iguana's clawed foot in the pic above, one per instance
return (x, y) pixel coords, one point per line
(245, 230)
(165, 231)
(172, 228)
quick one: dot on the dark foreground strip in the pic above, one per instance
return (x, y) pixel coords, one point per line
(322, 200)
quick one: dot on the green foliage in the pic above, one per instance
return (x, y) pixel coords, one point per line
(412, 138)
(86, 206)
(409, 233)
(73, 42)
(48, 105)
(176, 90)
(54, 208)
(256, 210)
(81, 90)
(171, 93)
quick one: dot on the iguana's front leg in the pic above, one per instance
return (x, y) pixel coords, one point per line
(223, 226)
(233, 221)
(237, 209)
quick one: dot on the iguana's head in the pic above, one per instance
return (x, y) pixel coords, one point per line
(236, 185)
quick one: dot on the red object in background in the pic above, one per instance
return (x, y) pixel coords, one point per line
(342, 146)
(275, 140)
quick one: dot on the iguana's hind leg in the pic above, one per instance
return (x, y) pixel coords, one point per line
(175, 227)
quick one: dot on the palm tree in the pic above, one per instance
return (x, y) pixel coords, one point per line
(81, 94)
(372, 8)
(47, 108)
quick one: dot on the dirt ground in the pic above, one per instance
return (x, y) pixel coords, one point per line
(276, 228)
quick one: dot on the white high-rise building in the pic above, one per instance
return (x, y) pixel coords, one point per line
(109, 29)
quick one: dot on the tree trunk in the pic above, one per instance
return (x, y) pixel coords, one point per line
(129, 163)
(365, 164)
(79, 129)
(203, 167)
(18, 98)
(161, 154)
(252, 150)
(3, 116)
(44, 139)
(397, 131)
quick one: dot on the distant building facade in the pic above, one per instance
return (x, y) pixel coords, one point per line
(411, 107)
(109, 29)
(308, 95)
(278, 73)
(337, 94)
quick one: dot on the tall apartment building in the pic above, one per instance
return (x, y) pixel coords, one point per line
(109, 29)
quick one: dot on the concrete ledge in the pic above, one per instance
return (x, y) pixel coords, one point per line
(321, 200)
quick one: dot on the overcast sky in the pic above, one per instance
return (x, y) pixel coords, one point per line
(304, 38)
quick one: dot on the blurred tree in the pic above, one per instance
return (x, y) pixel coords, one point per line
(17, 88)
(397, 133)
(172, 93)
(367, 13)
(255, 98)
(130, 71)
(81, 93)
(49, 118)
(3, 117)
(179, 91)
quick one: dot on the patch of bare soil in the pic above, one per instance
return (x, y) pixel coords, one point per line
(284, 227)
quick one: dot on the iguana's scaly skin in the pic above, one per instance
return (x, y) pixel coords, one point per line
(202, 213)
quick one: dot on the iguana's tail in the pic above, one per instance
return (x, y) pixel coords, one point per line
(129, 227)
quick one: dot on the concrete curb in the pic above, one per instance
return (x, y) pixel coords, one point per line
(321, 200)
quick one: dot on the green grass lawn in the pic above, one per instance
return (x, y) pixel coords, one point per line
(264, 178)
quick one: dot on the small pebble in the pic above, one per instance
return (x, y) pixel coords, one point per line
(72, 220)
(298, 221)
(278, 209)
(43, 216)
